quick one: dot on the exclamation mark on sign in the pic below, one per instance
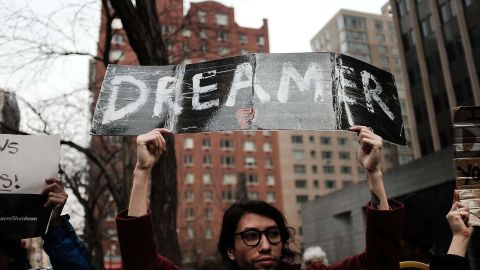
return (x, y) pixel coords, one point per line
(16, 180)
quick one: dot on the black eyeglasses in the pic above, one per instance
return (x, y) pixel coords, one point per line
(252, 237)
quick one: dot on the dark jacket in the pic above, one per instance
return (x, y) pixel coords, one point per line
(382, 251)
(64, 248)
(448, 262)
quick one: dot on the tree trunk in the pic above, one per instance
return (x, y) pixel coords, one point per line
(163, 202)
(93, 239)
(143, 29)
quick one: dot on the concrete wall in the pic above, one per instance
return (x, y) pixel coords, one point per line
(336, 221)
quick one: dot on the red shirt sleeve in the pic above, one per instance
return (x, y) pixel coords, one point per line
(383, 236)
(137, 245)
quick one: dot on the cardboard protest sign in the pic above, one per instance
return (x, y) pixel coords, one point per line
(307, 91)
(466, 133)
(25, 163)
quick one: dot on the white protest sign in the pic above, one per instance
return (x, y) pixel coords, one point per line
(26, 161)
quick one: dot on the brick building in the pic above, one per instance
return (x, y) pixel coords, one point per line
(214, 169)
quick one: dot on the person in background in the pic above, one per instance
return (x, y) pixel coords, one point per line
(315, 255)
(254, 234)
(461, 233)
(65, 250)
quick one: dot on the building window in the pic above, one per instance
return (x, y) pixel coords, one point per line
(297, 139)
(252, 195)
(228, 161)
(190, 233)
(270, 197)
(346, 170)
(261, 40)
(382, 49)
(325, 140)
(313, 154)
(299, 168)
(186, 47)
(186, 33)
(207, 179)
(314, 169)
(221, 19)
(311, 139)
(330, 184)
(203, 48)
(203, 33)
(228, 144)
(268, 163)
(189, 214)
(202, 16)
(249, 146)
(328, 169)
(270, 180)
(229, 179)
(189, 196)
(243, 38)
(302, 198)
(208, 196)
(223, 51)
(189, 178)
(298, 154)
(222, 36)
(188, 143)
(344, 155)
(342, 141)
(300, 183)
(267, 147)
(228, 196)
(206, 143)
(117, 39)
(188, 160)
(209, 233)
(250, 162)
(453, 10)
(316, 184)
(327, 154)
(243, 51)
(208, 212)
(251, 179)
(354, 22)
(379, 25)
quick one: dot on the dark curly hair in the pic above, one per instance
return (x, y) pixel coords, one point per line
(232, 217)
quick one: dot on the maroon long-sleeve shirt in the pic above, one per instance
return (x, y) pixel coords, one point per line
(382, 244)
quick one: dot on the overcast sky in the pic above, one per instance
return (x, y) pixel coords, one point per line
(291, 24)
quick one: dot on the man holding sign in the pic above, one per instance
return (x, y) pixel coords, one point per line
(32, 207)
(254, 234)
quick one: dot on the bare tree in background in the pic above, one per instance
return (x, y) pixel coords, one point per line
(25, 37)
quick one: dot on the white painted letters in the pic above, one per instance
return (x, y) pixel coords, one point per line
(244, 70)
(311, 79)
(197, 90)
(165, 87)
(374, 92)
(111, 114)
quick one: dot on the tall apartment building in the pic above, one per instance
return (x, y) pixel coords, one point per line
(313, 164)
(214, 169)
(316, 163)
(371, 38)
(440, 49)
